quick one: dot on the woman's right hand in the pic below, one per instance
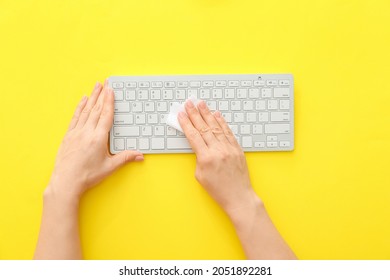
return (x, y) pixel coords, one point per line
(221, 165)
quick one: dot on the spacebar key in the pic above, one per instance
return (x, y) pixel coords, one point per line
(177, 143)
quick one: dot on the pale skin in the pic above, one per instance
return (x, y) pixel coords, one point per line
(83, 161)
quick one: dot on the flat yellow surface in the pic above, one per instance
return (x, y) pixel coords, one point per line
(330, 198)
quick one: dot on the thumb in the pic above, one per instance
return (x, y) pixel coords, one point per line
(126, 156)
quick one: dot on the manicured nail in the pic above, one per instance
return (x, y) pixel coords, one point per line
(139, 158)
(190, 104)
(109, 91)
(97, 85)
(217, 114)
(84, 98)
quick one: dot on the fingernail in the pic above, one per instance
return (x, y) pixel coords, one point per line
(217, 114)
(190, 104)
(202, 105)
(139, 158)
(84, 98)
(97, 85)
(109, 91)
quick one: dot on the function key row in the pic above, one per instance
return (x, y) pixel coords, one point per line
(198, 84)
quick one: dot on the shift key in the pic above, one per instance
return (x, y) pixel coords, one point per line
(277, 128)
(126, 131)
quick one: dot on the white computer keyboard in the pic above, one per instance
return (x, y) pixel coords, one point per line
(258, 107)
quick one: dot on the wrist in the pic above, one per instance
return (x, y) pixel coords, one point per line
(249, 208)
(60, 195)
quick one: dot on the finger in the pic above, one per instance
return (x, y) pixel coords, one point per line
(96, 111)
(200, 124)
(91, 102)
(226, 129)
(107, 114)
(77, 113)
(124, 157)
(196, 141)
(212, 122)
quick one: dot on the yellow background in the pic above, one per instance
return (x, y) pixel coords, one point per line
(330, 198)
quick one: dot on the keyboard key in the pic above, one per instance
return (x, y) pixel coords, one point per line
(162, 106)
(208, 83)
(272, 144)
(131, 84)
(281, 92)
(223, 105)
(204, 94)
(158, 143)
(123, 119)
(143, 94)
(235, 105)
(212, 105)
(284, 82)
(220, 83)
(126, 131)
(251, 117)
(155, 94)
(136, 107)
(257, 129)
(119, 144)
(130, 94)
(247, 142)
(242, 93)
(245, 129)
(193, 93)
(149, 106)
(233, 83)
(170, 84)
(277, 128)
(131, 144)
(254, 93)
(263, 116)
(247, 105)
(229, 93)
(227, 117)
(259, 144)
(157, 85)
(284, 143)
(116, 85)
(159, 130)
(121, 107)
(266, 93)
(272, 104)
(246, 83)
(272, 138)
(260, 105)
(140, 118)
(195, 84)
(171, 131)
(284, 104)
(143, 144)
(180, 94)
(146, 130)
(118, 95)
(272, 82)
(177, 143)
(258, 83)
(217, 93)
(144, 84)
(238, 117)
(152, 118)
(280, 116)
(182, 84)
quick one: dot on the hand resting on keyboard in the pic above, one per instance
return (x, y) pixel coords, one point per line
(83, 161)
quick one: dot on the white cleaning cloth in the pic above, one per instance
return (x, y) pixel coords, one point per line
(176, 108)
